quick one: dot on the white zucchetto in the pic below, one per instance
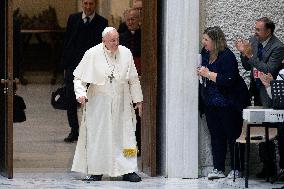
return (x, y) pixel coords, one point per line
(106, 30)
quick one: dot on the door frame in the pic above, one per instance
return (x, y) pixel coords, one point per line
(148, 82)
(6, 168)
(149, 87)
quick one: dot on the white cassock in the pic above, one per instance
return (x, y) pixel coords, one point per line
(107, 142)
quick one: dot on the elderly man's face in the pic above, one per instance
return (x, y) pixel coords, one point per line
(132, 20)
(111, 40)
(88, 7)
(261, 32)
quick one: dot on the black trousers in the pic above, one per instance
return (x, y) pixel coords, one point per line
(268, 157)
(281, 146)
(72, 105)
(225, 126)
(138, 130)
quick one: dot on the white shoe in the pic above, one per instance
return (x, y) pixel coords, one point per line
(231, 174)
(215, 174)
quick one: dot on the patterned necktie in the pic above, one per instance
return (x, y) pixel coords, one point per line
(260, 51)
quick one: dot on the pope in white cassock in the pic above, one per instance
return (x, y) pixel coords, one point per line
(107, 142)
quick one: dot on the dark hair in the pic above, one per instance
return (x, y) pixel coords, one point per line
(218, 37)
(269, 24)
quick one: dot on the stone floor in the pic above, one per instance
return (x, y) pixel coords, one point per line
(43, 160)
(67, 180)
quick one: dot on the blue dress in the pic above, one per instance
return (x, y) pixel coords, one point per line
(229, 90)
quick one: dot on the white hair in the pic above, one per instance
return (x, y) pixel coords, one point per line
(106, 30)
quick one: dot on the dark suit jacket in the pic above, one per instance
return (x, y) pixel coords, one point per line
(98, 24)
(125, 40)
(273, 55)
(122, 27)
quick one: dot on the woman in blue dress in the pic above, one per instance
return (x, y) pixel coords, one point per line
(224, 94)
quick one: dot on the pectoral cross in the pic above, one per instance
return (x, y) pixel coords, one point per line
(111, 77)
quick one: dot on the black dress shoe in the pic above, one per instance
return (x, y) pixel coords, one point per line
(93, 178)
(72, 137)
(131, 177)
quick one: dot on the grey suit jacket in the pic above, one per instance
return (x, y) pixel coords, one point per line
(273, 54)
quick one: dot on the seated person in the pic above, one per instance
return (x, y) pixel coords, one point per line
(266, 78)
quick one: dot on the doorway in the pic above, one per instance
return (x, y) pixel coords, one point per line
(149, 85)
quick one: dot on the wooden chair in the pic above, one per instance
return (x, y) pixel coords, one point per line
(257, 135)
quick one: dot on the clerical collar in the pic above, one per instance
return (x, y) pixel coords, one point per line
(134, 31)
(91, 16)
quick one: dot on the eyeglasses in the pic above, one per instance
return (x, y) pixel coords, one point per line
(259, 29)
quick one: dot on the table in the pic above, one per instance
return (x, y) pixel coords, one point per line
(255, 115)
(55, 36)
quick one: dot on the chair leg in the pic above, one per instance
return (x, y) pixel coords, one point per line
(234, 160)
(241, 158)
(247, 155)
(268, 151)
(276, 178)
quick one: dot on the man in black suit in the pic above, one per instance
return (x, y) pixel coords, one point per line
(131, 38)
(83, 32)
(263, 54)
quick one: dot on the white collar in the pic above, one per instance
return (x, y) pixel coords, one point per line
(91, 16)
(264, 43)
(109, 53)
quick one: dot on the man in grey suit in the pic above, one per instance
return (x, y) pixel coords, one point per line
(263, 53)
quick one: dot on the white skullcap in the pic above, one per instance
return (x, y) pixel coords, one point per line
(106, 30)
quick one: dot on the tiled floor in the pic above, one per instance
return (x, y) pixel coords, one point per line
(43, 160)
